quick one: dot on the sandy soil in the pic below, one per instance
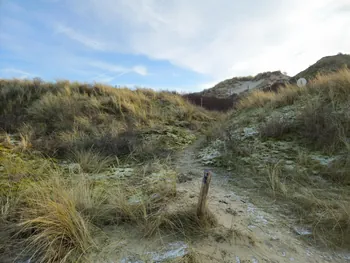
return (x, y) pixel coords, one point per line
(245, 232)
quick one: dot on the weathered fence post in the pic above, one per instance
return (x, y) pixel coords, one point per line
(202, 200)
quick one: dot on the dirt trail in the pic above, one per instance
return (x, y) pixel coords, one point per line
(245, 232)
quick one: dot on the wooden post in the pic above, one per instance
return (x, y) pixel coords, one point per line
(201, 101)
(202, 201)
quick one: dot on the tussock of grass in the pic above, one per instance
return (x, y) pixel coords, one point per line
(57, 216)
(328, 215)
(339, 170)
(184, 222)
(91, 161)
(325, 210)
(284, 96)
(58, 232)
(275, 127)
(274, 180)
(255, 99)
(5, 208)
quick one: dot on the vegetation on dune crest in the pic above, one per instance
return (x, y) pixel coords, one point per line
(63, 118)
(325, 65)
(65, 155)
(293, 145)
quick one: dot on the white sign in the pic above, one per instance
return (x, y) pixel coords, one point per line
(301, 82)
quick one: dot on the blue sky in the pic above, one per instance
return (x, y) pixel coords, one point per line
(184, 45)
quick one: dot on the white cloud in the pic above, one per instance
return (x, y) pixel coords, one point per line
(114, 71)
(74, 35)
(16, 73)
(108, 67)
(141, 70)
(219, 38)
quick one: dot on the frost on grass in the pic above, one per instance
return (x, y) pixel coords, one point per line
(209, 154)
(323, 160)
(172, 251)
(249, 132)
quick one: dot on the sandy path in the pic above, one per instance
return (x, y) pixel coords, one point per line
(245, 232)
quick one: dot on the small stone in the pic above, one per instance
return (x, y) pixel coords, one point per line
(173, 251)
(268, 244)
(289, 162)
(248, 132)
(74, 168)
(155, 196)
(231, 211)
(254, 260)
(192, 196)
(220, 239)
(183, 178)
(135, 199)
(289, 167)
(302, 231)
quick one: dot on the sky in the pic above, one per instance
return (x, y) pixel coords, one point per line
(183, 45)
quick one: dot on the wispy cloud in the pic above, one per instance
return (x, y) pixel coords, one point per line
(83, 39)
(141, 70)
(16, 73)
(112, 71)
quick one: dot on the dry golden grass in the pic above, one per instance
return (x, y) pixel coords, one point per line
(57, 118)
(5, 208)
(333, 88)
(56, 231)
(60, 215)
(284, 96)
(325, 208)
(255, 99)
(323, 118)
(91, 161)
(57, 214)
(6, 140)
(275, 180)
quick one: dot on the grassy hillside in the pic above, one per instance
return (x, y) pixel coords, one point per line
(230, 88)
(76, 158)
(62, 119)
(292, 147)
(325, 65)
